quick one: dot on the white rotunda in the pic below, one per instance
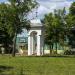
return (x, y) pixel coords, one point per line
(35, 38)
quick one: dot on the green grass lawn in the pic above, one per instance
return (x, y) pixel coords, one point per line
(37, 65)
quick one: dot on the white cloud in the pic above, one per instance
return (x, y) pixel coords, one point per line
(47, 6)
(40, 12)
(7, 2)
(55, 4)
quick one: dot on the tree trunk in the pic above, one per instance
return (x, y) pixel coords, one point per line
(50, 49)
(56, 41)
(56, 47)
(14, 45)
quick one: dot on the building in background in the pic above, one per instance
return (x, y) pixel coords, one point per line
(22, 42)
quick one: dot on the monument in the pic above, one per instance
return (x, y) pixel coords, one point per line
(35, 38)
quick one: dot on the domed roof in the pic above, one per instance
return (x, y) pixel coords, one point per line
(35, 23)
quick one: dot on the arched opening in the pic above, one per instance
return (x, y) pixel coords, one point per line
(33, 40)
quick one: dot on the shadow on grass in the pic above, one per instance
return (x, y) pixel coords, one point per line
(56, 56)
(8, 68)
(62, 56)
(5, 68)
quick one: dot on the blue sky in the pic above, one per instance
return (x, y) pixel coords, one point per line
(3, 0)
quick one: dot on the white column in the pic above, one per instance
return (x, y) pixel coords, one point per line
(29, 45)
(42, 45)
(32, 44)
(38, 46)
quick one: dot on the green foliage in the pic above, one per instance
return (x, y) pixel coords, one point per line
(47, 22)
(70, 18)
(54, 27)
(72, 9)
(70, 23)
(13, 17)
(60, 26)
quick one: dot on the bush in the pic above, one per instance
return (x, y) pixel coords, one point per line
(69, 52)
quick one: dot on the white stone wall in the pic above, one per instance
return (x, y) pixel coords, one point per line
(58, 51)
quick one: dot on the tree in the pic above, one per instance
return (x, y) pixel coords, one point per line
(48, 30)
(4, 36)
(70, 18)
(70, 21)
(72, 9)
(54, 28)
(14, 17)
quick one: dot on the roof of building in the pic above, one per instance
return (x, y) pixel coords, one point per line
(36, 23)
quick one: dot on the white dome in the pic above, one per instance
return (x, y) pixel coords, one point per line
(35, 21)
